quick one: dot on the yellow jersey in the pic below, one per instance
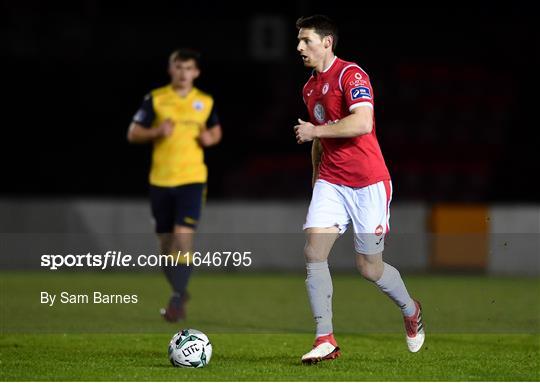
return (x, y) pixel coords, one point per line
(178, 159)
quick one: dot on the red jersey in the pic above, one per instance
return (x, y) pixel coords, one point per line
(330, 96)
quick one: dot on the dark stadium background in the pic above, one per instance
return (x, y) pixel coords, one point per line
(454, 86)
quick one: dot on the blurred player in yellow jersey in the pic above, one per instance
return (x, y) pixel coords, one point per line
(179, 120)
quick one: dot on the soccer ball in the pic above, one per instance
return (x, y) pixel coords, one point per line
(190, 348)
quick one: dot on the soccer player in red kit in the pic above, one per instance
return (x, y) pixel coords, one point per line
(351, 183)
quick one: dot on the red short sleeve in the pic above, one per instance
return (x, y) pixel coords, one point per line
(356, 87)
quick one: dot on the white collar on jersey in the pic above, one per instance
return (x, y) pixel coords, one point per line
(330, 66)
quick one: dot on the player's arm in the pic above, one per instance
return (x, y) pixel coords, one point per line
(212, 134)
(140, 134)
(316, 153)
(142, 128)
(359, 122)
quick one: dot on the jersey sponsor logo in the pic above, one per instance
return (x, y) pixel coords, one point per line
(357, 82)
(325, 88)
(358, 76)
(198, 105)
(378, 230)
(309, 92)
(318, 112)
(360, 92)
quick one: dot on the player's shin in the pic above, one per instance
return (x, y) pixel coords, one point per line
(178, 272)
(319, 288)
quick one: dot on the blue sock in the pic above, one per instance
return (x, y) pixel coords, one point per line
(178, 277)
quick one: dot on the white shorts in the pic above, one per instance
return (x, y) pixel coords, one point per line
(368, 208)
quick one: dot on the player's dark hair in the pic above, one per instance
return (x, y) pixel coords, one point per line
(185, 54)
(323, 26)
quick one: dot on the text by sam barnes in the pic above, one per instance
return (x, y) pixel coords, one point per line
(96, 297)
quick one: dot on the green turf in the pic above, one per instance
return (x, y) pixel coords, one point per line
(255, 357)
(479, 328)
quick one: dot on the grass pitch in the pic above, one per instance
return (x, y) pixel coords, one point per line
(478, 328)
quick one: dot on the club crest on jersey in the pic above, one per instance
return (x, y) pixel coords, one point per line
(318, 112)
(325, 88)
(360, 92)
(198, 105)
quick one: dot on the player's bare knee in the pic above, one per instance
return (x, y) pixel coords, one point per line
(313, 254)
(182, 244)
(165, 242)
(365, 269)
(183, 238)
(319, 242)
(370, 266)
(370, 273)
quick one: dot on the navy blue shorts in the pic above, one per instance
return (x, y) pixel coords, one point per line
(179, 205)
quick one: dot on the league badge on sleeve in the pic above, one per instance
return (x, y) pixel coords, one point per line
(360, 92)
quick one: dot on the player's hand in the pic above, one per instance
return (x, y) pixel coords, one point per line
(165, 129)
(206, 139)
(304, 131)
